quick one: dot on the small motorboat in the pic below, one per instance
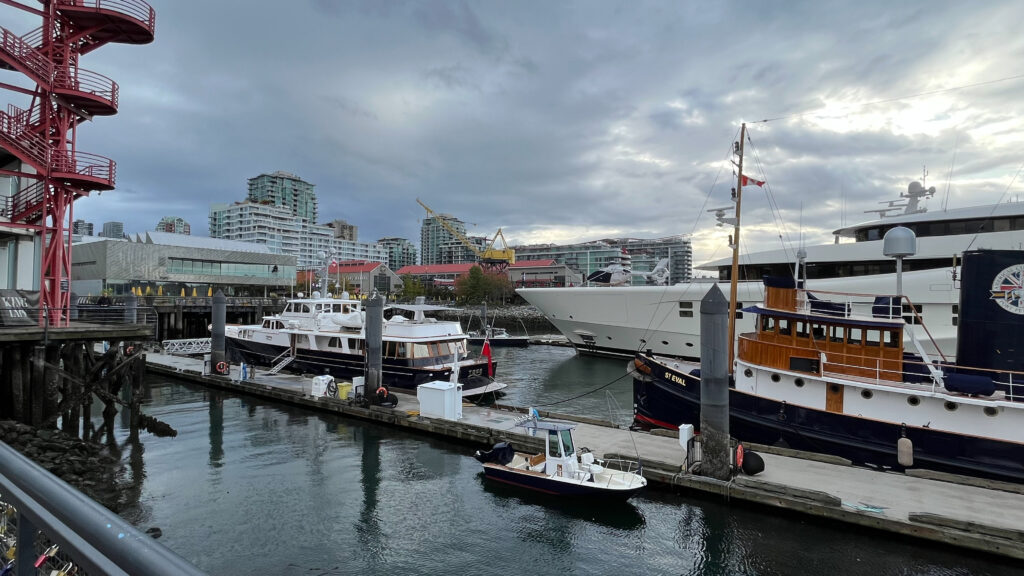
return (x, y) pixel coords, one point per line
(497, 338)
(559, 470)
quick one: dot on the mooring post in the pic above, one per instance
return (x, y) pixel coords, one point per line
(131, 309)
(217, 355)
(374, 335)
(73, 307)
(51, 386)
(37, 385)
(714, 384)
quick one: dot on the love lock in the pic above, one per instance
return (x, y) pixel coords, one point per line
(49, 553)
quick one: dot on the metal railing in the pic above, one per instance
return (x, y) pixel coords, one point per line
(88, 535)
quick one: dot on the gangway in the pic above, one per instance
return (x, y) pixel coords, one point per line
(188, 346)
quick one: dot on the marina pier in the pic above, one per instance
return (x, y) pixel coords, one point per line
(977, 515)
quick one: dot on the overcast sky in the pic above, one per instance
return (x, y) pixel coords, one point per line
(563, 121)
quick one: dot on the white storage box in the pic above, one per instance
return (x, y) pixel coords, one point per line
(440, 399)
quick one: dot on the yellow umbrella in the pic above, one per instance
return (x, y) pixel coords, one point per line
(209, 291)
(160, 290)
(193, 291)
(149, 290)
(182, 292)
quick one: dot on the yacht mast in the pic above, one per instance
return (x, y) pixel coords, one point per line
(734, 275)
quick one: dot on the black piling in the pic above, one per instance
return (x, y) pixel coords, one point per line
(219, 318)
(374, 336)
(714, 384)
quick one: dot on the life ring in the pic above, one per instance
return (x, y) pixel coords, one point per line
(128, 351)
(222, 367)
(739, 455)
(382, 392)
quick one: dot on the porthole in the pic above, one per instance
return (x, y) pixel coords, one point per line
(913, 400)
(664, 342)
(748, 373)
(834, 388)
(608, 337)
(799, 382)
(689, 344)
(866, 394)
(991, 411)
(776, 378)
(951, 406)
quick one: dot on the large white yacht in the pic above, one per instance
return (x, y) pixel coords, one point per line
(621, 321)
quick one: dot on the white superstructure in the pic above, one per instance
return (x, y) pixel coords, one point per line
(666, 320)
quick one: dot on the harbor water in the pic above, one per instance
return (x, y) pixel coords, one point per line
(251, 487)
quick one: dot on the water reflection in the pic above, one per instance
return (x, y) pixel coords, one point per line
(615, 514)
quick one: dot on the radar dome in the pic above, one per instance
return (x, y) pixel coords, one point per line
(899, 241)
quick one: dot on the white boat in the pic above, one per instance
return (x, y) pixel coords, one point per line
(561, 469)
(327, 335)
(620, 321)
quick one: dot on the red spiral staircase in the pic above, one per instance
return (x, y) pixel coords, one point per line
(42, 137)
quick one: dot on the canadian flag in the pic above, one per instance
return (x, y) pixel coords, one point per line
(486, 352)
(748, 180)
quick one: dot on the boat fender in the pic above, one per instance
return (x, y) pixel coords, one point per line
(222, 367)
(739, 456)
(904, 449)
(753, 464)
(382, 392)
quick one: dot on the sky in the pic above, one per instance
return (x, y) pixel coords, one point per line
(563, 121)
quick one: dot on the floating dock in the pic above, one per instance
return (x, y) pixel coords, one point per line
(975, 514)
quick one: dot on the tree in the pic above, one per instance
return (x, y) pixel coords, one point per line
(412, 287)
(478, 287)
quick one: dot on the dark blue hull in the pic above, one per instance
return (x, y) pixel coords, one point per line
(660, 402)
(472, 374)
(541, 483)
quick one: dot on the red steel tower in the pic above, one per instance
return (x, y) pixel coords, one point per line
(53, 172)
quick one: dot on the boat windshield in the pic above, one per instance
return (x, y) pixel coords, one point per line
(567, 441)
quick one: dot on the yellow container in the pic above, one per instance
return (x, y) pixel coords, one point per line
(344, 389)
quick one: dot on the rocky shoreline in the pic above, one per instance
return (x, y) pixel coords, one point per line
(85, 465)
(517, 319)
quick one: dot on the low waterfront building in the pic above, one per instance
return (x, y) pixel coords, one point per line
(357, 277)
(160, 263)
(644, 255)
(542, 274)
(441, 275)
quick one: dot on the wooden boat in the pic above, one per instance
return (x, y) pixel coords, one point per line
(559, 470)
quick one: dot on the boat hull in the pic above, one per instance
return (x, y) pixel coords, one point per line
(666, 398)
(472, 374)
(542, 483)
(510, 342)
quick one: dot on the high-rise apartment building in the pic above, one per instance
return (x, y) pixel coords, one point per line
(400, 252)
(284, 233)
(81, 228)
(436, 242)
(113, 230)
(344, 230)
(286, 190)
(174, 225)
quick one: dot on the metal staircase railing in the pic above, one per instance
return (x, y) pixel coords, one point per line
(14, 132)
(32, 60)
(187, 346)
(26, 205)
(282, 364)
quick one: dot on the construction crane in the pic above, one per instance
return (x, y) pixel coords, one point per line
(491, 258)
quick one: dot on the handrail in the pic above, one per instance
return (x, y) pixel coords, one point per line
(87, 81)
(98, 540)
(25, 53)
(137, 9)
(84, 164)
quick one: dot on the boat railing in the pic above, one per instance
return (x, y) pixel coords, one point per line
(621, 468)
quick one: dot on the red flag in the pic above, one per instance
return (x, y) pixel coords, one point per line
(487, 352)
(748, 180)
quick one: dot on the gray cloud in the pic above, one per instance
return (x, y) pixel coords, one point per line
(561, 120)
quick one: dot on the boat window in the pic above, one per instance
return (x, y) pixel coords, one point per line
(892, 338)
(420, 351)
(855, 336)
(818, 331)
(567, 441)
(554, 450)
(801, 329)
(401, 351)
(872, 337)
(355, 345)
(334, 342)
(767, 324)
(305, 308)
(836, 334)
(784, 327)
(874, 234)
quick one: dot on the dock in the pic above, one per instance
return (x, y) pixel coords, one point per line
(974, 514)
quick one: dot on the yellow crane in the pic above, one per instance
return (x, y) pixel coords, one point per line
(490, 257)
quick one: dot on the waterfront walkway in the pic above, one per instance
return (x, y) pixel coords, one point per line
(986, 516)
